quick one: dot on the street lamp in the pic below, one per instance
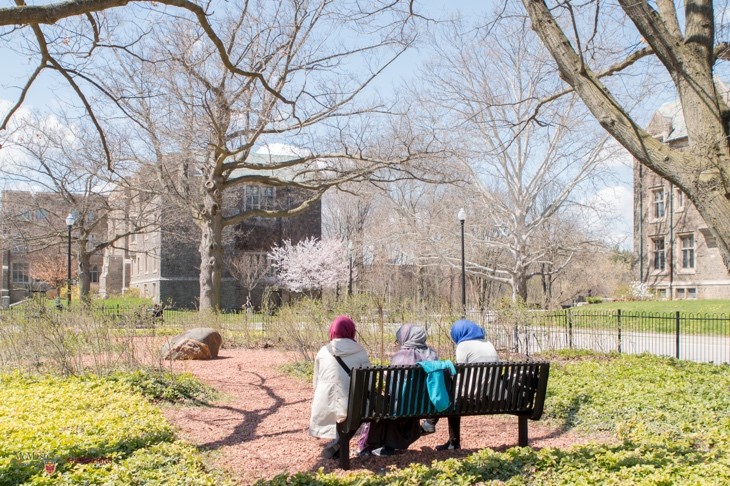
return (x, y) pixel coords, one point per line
(349, 283)
(70, 220)
(462, 218)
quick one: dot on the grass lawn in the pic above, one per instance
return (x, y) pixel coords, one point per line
(685, 306)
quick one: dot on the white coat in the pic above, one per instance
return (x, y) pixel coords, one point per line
(332, 385)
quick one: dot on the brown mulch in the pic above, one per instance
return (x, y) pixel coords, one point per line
(259, 428)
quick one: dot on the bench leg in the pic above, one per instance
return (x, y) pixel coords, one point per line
(344, 438)
(522, 426)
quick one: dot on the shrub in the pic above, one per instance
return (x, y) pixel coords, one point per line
(159, 385)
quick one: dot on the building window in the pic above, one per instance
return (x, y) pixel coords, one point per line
(680, 200)
(661, 293)
(688, 251)
(660, 256)
(94, 274)
(252, 198)
(259, 198)
(41, 215)
(25, 216)
(680, 293)
(692, 293)
(21, 273)
(267, 198)
(658, 203)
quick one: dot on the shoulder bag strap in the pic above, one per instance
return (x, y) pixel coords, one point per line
(341, 361)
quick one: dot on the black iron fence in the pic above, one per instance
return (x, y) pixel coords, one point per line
(693, 337)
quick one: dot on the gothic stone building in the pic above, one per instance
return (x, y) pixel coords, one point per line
(676, 256)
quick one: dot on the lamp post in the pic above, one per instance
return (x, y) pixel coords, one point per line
(462, 218)
(70, 220)
(349, 282)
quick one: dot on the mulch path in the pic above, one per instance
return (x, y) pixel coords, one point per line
(258, 429)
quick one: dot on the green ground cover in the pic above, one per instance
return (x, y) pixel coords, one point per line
(670, 423)
(95, 431)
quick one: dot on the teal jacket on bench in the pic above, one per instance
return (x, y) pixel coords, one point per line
(438, 393)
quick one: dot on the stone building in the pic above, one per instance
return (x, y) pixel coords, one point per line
(163, 262)
(676, 255)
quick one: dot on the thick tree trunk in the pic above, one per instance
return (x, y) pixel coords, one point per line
(519, 290)
(211, 247)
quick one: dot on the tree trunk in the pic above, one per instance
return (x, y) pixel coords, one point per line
(211, 247)
(519, 285)
(83, 277)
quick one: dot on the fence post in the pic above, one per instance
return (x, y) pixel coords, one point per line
(677, 320)
(569, 317)
(618, 319)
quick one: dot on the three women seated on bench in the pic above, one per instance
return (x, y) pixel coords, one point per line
(332, 383)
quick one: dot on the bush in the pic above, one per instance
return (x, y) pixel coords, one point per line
(158, 385)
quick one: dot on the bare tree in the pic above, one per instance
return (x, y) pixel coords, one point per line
(202, 125)
(249, 269)
(690, 55)
(68, 37)
(523, 172)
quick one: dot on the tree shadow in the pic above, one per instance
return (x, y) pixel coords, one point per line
(249, 421)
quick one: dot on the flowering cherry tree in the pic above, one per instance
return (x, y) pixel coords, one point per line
(310, 265)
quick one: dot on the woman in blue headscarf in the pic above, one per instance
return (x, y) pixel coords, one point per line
(471, 347)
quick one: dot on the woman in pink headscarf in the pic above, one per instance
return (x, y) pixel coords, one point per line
(332, 381)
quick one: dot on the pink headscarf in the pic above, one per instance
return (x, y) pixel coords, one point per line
(342, 327)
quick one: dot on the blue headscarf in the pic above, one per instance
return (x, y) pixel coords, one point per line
(465, 330)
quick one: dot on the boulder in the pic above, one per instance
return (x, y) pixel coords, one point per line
(186, 349)
(205, 335)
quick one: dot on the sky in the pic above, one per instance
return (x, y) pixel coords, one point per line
(49, 90)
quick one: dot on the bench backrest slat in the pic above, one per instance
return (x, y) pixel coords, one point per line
(381, 392)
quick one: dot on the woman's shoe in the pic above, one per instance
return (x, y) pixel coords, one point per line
(331, 452)
(383, 451)
(449, 446)
(427, 427)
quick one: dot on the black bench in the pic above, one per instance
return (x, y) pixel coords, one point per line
(392, 392)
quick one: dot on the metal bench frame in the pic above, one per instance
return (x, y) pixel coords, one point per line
(393, 392)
